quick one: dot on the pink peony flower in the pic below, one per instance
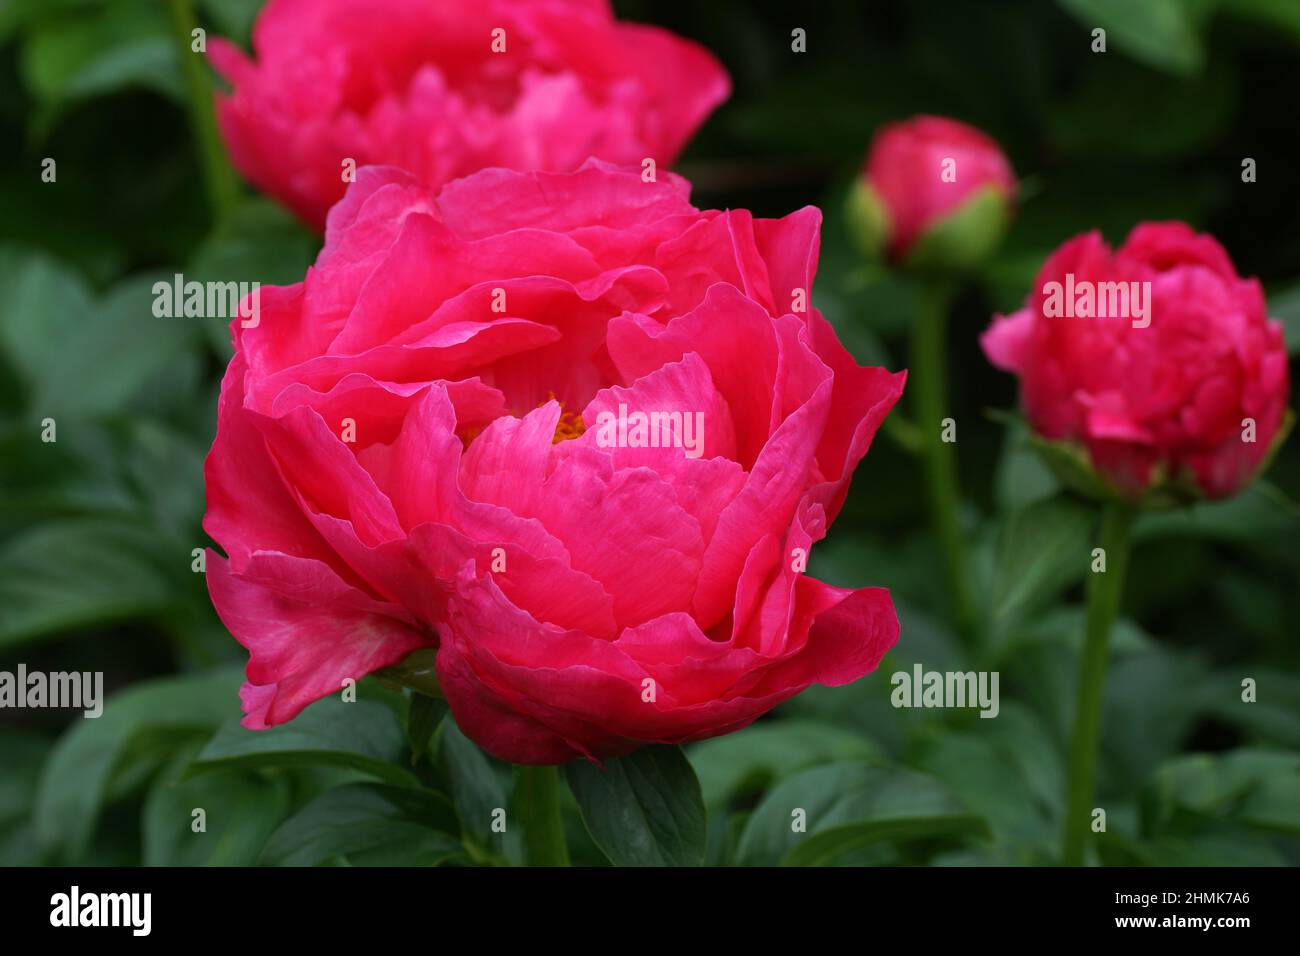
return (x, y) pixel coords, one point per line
(447, 88)
(921, 174)
(433, 441)
(1158, 358)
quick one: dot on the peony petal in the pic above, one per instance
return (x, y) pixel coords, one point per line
(307, 631)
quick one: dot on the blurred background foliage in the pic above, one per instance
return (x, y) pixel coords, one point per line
(97, 529)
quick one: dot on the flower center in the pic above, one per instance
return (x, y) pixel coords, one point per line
(569, 426)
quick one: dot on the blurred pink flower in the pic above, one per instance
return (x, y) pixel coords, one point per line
(417, 84)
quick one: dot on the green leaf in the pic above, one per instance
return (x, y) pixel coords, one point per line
(78, 572)
(113, 47)
(1279, 14)
(21, 754)
(846, 806)
(165, 469)
(1285, 307)
(753, 759)
(1007, 770)
(78, 356)
(233, 17)
(363, 735)
(1160, 33)
(368, 824)
(1228, 848)
(1153, 689)
(1022, 477)
(240, 811)
(18, 14)
(645, 809)
(113, 354)
(724, 836)
(1258, 512)
(1045, 547)
(76, 777)
(823, 847)
(1274, 716)
(42, 304)
(1175, 117)
(1153, 700)
(422, 720)
(1256, 788)
(480, 785)
(259, 243)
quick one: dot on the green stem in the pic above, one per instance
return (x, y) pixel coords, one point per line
(218, 176)
(1104, 590)
(537, 802)
(928, 387)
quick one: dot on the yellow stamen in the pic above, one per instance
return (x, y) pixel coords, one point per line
(570, 424)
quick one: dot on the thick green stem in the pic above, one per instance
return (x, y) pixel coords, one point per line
(1104, 591)
(927, 385)
(218, 177)
(537, 803)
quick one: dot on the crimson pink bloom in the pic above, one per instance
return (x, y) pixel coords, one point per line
(417, 84)
(925, 169)
(1159, 394)
(413, 450)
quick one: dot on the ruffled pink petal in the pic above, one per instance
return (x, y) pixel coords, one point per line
(249, 506)
(599, 194)
(307, 631)
(638, 525)
(735, 338)
(1005, 341)
(696, 449)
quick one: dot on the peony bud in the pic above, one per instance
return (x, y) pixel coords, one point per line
(935, 195)
(1152, 372)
